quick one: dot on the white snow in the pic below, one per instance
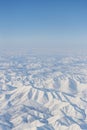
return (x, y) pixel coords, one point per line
(43, 93)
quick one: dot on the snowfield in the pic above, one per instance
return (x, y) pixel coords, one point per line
(43, 93)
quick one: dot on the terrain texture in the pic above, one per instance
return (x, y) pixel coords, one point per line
(43, 93)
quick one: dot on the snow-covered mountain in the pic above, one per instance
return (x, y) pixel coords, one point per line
(43, 93)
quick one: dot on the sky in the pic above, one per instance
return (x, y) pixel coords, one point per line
(44, 25)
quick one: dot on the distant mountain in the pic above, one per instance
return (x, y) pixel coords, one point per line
(43, 93)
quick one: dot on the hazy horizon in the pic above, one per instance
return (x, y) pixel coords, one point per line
(47, 26)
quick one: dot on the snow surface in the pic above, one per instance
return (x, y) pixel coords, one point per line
(43, 93)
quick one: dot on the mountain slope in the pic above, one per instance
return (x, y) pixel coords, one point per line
(43, 93)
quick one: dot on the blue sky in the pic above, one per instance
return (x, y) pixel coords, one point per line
(48, 24)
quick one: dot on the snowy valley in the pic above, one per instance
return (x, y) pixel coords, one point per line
(43, 92)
